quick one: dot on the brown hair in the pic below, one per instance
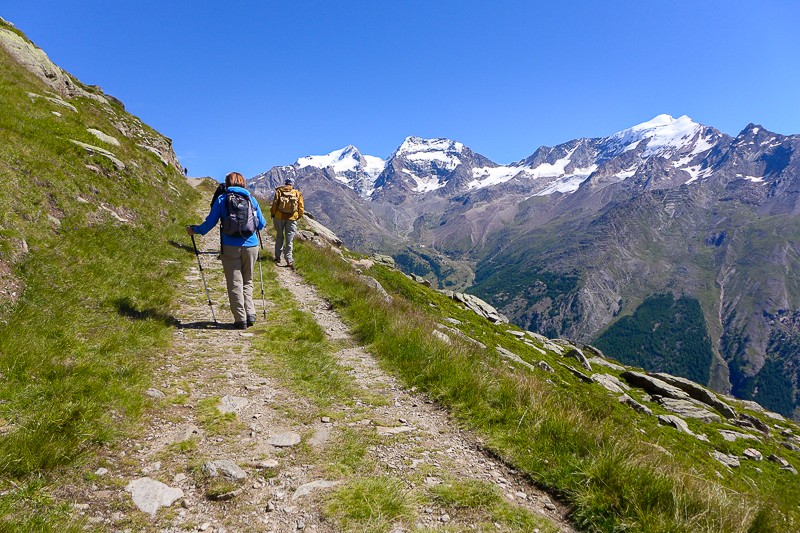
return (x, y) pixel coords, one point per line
(234, 179)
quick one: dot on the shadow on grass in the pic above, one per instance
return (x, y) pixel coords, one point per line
(127, 308)
(190, 249)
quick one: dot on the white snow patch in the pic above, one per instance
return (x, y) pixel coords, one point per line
(755, 179)
(424, 184)
(697, 174)
(488, 176)
(568, 183)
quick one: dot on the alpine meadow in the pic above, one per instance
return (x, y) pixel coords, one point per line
(617, 362)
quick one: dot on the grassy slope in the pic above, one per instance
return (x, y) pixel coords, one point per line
(77, 347)
(617, 469)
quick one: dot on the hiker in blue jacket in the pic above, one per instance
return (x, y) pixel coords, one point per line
(239, 251)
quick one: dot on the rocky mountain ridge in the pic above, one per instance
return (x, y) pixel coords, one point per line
(572, 238)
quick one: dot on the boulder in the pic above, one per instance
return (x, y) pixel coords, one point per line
(323, 232)
(730, 461)
(374, 284)
(633, 404)
(753, 454)
(480, 307)
(612, 383)
(578, 374)
(752, 422)
(608, 364)
(577, 354)
(226, 468)
(537, 337)
(731, 436)
(679, 424)
(783, 463)
(96, 150)
(442, 336)
(546, 367)
(687, 409)
(697, 392)
(514, 357)
(149, 495)
(384, 259)
(594, 352)
(653, 385)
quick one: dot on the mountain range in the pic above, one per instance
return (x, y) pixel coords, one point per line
(670, 243)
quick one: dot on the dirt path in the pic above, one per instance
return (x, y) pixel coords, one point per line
(273, 438)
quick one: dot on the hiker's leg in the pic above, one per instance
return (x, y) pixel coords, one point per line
(288, 247)
(249, 256)
(278, 224)
(232, 264)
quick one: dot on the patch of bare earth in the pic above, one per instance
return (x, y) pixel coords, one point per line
(277, 438)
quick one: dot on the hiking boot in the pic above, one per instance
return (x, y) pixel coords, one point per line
(240, 325)
(290, 265)
(251, 319)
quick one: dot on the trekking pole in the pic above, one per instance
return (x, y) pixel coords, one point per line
(261, 273)
(203, 277)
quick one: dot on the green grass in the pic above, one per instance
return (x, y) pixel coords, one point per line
(484, 501)
(571, 438)
(80, 341)
(370, 504)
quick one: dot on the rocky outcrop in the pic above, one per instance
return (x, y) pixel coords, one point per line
(36, 61)
(697, 392)
(653, 385)
(687, 409)
(478, 306)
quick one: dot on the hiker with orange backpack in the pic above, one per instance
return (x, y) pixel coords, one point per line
(287, 207)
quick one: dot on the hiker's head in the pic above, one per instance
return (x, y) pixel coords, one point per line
(234, 179)
(288, 181)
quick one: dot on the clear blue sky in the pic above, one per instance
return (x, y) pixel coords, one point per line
(245, 85)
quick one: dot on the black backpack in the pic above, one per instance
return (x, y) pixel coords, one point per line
(240, 219)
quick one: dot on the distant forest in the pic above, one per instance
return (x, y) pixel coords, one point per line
(662, 335)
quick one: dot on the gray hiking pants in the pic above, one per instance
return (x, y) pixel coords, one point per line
(284, 237)
(238, 263)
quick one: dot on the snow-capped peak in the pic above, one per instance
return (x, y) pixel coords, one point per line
(663, 134)
(415, 145)
(347, 159)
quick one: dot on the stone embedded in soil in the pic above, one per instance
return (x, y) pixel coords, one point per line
(231, 404)
(154, 393)
(731, 436)
(224, 467)
(753, 454)
(387, 431)
(730, 461)
(149, 495)
(687, 409)
(308, 488)
(284, 440)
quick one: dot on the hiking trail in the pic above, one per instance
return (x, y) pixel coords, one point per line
(275, 444)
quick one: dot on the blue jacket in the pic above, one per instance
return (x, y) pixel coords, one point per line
(219, 209)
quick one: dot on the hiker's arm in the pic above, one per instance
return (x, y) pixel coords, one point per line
(274, 206)
(212, 218)
(300, 207)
